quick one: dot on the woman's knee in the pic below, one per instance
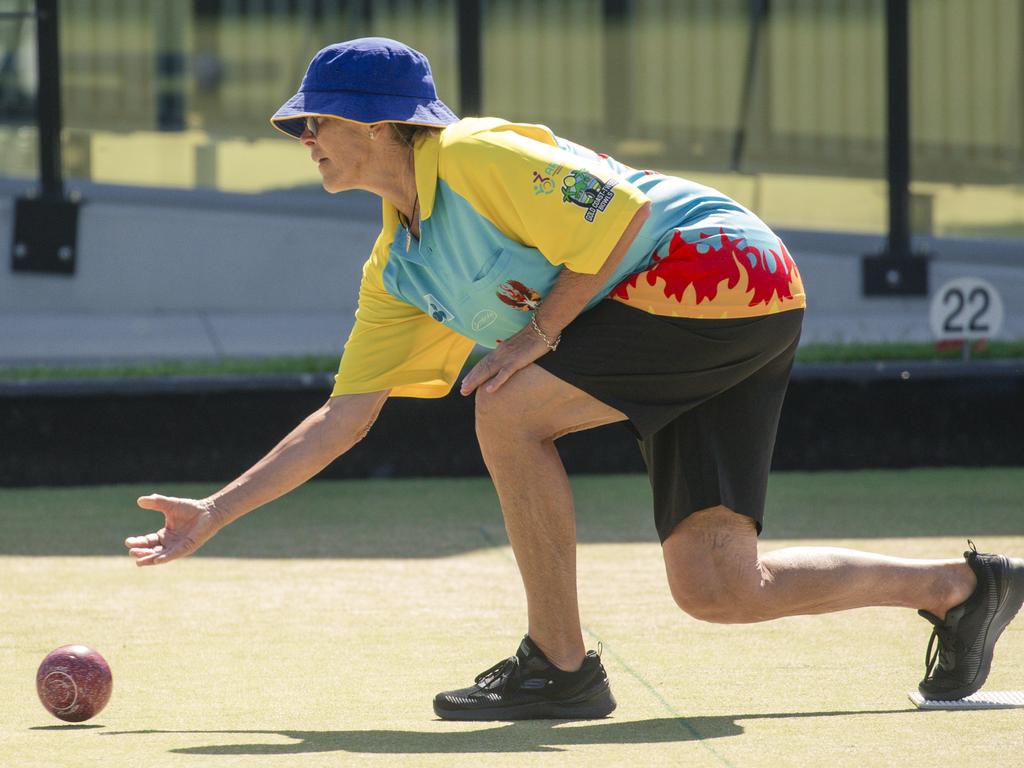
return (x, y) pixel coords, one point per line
(503, 414)
(713, 571)
(708, 598)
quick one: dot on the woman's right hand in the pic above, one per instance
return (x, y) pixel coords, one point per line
(188, 524)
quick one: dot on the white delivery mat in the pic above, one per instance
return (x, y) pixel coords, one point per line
(979, 700)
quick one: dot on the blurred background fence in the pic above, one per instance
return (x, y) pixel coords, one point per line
(676, 84)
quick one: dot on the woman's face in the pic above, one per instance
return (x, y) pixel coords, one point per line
(342, 151)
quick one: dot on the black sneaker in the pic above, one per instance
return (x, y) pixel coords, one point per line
(963, 642)
(529, 687)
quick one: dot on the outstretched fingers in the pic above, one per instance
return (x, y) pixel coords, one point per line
(149, 549)
(154, 556)
(149, 540)
(144, 548)
(157, 502)
(188, 523)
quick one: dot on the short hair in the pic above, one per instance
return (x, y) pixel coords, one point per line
(408, 133)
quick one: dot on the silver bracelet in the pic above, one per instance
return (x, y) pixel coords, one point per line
(552, 345)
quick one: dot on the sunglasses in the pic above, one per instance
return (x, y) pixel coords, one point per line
(312, 124)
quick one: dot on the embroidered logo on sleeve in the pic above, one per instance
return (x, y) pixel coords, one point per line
(542, 185)
(587, 191)
(518, 296)
(554, 169)
(437, 310)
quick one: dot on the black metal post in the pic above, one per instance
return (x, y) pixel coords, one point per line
(758, 11)
(51, 174)
(617, 66)
(897, 41)
(169, 24)
(897, 272)
(46, 225)
(469, 30)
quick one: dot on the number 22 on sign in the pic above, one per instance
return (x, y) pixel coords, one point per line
(966, 309)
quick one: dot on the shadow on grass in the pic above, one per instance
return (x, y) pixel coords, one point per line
(533, 736)
(412, 518)
(68, 727)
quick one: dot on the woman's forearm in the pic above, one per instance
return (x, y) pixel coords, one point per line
(305, 451)
(572, 290)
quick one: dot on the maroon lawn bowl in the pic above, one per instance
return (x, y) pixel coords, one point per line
(74, 683)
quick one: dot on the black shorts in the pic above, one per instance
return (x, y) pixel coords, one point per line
(703, 398)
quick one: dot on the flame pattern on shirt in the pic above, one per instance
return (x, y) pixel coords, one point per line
(770, 273)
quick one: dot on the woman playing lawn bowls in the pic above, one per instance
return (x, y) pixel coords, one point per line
(607, 294)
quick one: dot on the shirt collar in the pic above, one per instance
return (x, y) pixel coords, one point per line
(425, 159)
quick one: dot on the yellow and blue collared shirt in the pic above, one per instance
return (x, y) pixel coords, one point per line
(504, 208)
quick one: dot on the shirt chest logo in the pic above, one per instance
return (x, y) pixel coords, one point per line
(436, 309)
(483, 319)
(519, 296)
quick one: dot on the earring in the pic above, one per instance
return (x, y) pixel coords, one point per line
(373, 135)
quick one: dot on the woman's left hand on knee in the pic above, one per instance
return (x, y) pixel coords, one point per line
(497, 367)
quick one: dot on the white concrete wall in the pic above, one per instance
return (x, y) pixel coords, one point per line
(167, 252)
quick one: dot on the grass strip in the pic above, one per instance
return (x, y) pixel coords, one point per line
(164, 368)
(850, 353)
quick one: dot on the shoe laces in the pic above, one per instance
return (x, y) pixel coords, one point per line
(942, 647)
(499, 674)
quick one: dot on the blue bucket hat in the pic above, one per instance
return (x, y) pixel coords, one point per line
(368, 80)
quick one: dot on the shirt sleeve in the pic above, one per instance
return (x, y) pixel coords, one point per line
(571, 208)
(394, 346)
